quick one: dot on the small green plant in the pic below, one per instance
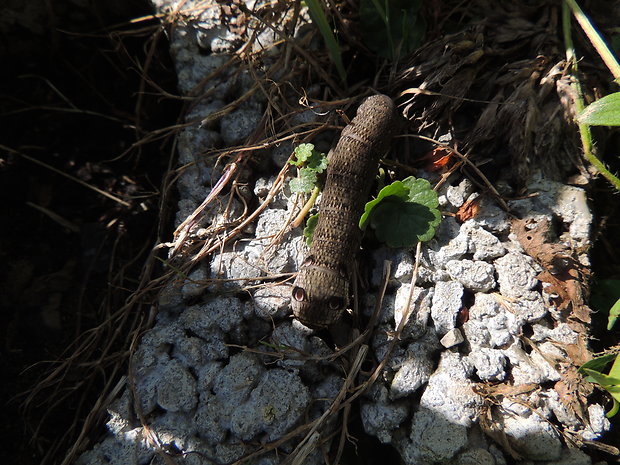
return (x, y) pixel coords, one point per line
(605, 295)
(392, 28)
(614, 313)
(318, 17)
(609, 381)
(601, 113)
(310, 163)
(404, 213)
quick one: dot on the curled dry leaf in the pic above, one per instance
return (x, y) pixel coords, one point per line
(437, 159)
(561, 270)
(468, 210)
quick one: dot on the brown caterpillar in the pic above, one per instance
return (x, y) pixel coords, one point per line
(321, 290)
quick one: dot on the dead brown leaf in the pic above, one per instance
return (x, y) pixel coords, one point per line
(564, 274)
(468, 210)
(573, 391)
(437, 159)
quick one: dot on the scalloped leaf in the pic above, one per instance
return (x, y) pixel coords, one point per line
(421, 191)
(403, 213)
(403, 224)
(304, 182)
(310, 162)
(396, 189)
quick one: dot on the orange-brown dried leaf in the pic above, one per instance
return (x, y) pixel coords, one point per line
(573, 391)
(468, 210)
(437, 159)
(563, 273)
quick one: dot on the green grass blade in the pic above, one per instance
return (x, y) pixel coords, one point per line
(318, 17)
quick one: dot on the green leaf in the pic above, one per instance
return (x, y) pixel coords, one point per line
(403, 213)
(615, 368)
(304, 182)
(598, 363)
(397, 189)
(604, 380)
(610, 382)
(605, 293)
(311, 162)
(614, 409)
(603, 112)
(317, 162)
(310, 227)
(302, 153)
(614, 313)
(403, 224)
(421, 191)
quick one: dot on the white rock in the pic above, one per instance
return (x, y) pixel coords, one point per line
(446, 305)
(516, 275)
(473, 275)
(531, 436)
(490, 364)
(452, 338)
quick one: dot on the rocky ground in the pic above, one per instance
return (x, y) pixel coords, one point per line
(482, 372)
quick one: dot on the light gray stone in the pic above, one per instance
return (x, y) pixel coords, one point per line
(176, 390)
(419, 310)
(529, 368)
(272, 302)
(598, 422)
(531, 436)
(490, 363)
(449, 392)
(416, 368)
(229, 452)
(274, 406)
(571, 456)
(208, 419)
(457, 195)
(224, 313)
(561, 332)
(381, 419)
(481, 243)
(195, 284)
(234, 383)
(450, 243)
(131, 447)
(475, 456)
(271, 222)
(490, 324)
(452, 338)
(491, 217)
(238, 124)
(516, 275)
(237, 268)
(446, 305)
(477, 276)
(433, 439)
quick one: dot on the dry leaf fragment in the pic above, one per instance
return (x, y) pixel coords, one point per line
(564, 274)
(468, 210)
(437, 159)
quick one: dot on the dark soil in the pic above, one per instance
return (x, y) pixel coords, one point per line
(70, 255)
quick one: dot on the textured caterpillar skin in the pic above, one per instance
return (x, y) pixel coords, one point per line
(321, 289)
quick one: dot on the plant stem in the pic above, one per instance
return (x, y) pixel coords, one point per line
(584, 129)
(306, 208)
(595, 38)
